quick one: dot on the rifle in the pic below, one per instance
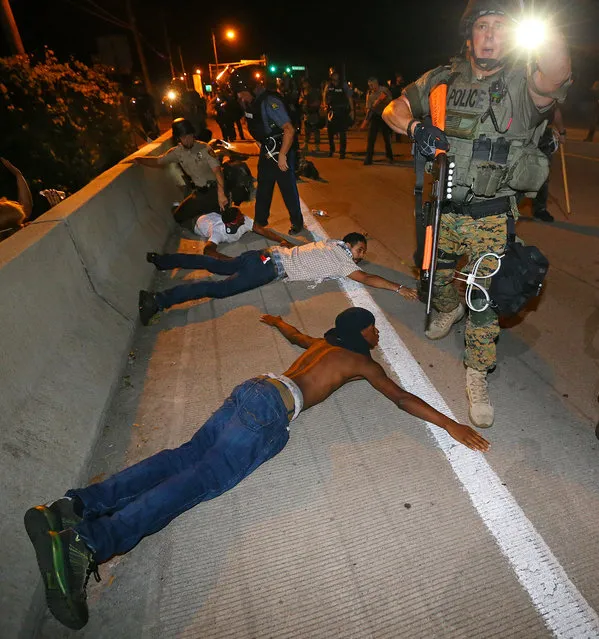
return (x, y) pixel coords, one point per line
(440, 192)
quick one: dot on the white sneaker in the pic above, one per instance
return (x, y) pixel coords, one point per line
(443, 322)
(482, 413)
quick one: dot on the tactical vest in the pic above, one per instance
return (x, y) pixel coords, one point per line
(255, 118)
(337, 99)
(491, 163)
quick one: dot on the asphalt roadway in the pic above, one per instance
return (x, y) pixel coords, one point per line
(370, 523)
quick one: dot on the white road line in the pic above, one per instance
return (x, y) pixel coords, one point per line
(563, 608)
(582, 157)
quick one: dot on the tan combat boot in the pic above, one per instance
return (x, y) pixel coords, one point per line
(481, 410)
(443, 322)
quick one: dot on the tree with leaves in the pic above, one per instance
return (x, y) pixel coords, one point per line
(61, 123)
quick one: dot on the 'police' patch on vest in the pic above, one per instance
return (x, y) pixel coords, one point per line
(473, 98)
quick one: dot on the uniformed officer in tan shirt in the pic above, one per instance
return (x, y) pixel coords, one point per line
(202, 169)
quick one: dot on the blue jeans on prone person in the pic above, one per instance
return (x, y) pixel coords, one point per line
(250, 427)
(247, 271)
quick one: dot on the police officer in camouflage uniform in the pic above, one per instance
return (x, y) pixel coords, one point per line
(496, 113)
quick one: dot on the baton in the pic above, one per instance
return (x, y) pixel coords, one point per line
(565, 174)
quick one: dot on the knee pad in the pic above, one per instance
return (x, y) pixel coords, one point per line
(447, 261)
(481, 318)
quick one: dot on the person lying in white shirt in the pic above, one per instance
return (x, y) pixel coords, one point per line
(227, 227)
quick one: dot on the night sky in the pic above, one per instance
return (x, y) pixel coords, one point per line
(377, 39)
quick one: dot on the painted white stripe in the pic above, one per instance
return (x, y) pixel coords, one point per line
(581, 157)
(563, 608)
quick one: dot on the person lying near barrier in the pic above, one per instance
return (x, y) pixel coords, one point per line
(75, 533)
(229, 226)
(330, 259)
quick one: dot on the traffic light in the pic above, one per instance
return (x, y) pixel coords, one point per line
(273, 69)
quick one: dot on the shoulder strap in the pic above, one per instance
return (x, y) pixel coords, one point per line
(511, 228)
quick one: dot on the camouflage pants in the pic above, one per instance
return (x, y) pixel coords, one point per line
(462, 235)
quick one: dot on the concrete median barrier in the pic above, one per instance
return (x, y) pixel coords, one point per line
(69, 285)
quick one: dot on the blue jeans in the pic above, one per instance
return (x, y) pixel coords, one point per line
(247, 430)
(247, 271)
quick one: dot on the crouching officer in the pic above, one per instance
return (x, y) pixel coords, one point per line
(495, 114)
(270, 125)
(201, 169)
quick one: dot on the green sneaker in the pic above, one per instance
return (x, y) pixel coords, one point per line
(64, 509)
(56, 515)
(65, 563)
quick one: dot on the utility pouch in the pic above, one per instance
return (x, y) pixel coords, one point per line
(486, 178)
(485, 173)
(528, 168)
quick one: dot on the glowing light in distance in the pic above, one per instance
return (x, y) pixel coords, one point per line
(171, 95)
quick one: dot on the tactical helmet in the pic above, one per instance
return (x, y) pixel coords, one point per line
(182, 127)
(479, 8)
(247, 78)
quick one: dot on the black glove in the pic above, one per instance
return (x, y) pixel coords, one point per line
(429, 138)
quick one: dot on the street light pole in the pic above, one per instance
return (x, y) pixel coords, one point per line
(10, 28)
(140, 51)
(168, 47)
(183, 68)
(215, 54)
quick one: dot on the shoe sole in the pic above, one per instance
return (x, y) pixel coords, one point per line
(145, 320)
(455, 321)
(39, 523)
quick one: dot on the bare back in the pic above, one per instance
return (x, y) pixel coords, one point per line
(324, 368)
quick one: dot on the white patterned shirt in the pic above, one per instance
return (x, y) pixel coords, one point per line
(317, 261)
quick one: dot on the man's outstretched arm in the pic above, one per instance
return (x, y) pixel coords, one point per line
(151, 161)
(269, 234)
(380, 282)
(294, 335)
(466, 435)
